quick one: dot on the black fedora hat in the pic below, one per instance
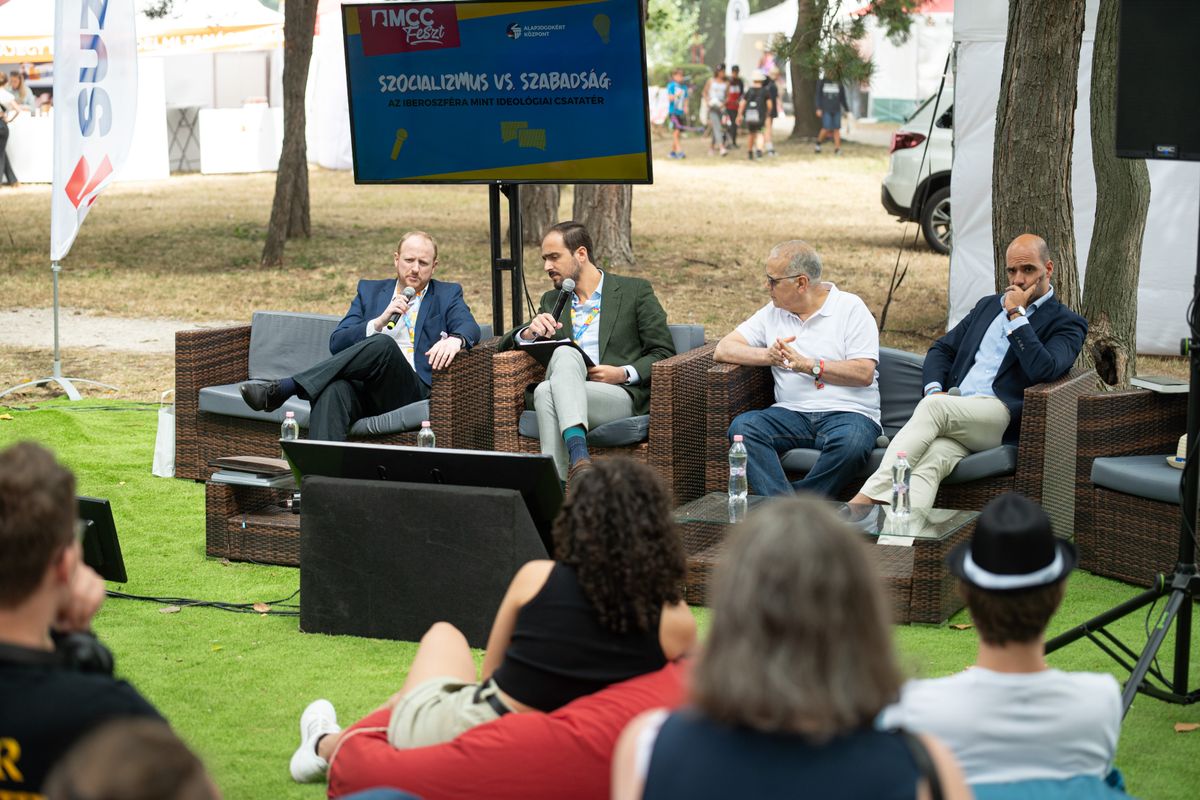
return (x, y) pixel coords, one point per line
(1013, 548)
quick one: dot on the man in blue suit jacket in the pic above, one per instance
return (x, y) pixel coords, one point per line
(380, 365)
(1009, 342)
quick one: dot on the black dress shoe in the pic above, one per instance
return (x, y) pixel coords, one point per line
(262, 395)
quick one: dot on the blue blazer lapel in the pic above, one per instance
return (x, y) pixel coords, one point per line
(610, 309)
(1039, 320)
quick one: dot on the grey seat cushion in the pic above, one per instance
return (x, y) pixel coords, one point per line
(1140, 476)
(986, 464)
(618, 433)
(283, 343)
(227, 401)
(900, 387)
(687, 337)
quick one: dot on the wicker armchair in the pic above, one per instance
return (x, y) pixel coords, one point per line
(1045, 452)
(675, 445)
(1121, 535)
(459, 403)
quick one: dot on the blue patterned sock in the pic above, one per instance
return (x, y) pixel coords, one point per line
(576, 439)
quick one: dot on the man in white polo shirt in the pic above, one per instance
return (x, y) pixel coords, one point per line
(822, 345)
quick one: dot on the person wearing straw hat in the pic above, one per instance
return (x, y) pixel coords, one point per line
(1011, 717)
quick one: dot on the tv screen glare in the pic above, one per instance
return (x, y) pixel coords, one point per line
(498, 92)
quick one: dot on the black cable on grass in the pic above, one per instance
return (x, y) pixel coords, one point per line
(238, 608)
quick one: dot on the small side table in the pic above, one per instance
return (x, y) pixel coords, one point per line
(250, 523)
(910, 559)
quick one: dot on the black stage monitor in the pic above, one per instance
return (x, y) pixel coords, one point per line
(534, 476)
(1158, 94)
(101, 550)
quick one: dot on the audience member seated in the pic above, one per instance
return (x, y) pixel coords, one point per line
(131, 759)
(797, 665)
(566, 753)
(55, 677)
(1010, 717)
(822, 346)
(608, 609)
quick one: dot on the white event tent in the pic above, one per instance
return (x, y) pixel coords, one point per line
(197, 69)
(905, 74)
(1169, 246)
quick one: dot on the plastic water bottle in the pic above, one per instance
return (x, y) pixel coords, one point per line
(737, 480)
(426, 438)
(289, 431)
(901, 502)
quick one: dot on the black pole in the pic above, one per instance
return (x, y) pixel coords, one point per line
(500, 264)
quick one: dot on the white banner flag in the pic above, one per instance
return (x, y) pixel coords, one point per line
(95, 102)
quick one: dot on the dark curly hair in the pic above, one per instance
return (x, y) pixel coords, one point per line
(616, 530)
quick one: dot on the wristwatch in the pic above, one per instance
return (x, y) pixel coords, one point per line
(1019, 311)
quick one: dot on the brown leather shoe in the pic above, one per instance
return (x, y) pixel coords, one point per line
(575, 470)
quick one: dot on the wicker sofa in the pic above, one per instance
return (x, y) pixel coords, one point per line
(212, 420)
(670, 438)
(1127, 508)
(1040, 466)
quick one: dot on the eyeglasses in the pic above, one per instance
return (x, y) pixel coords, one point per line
(772, 282)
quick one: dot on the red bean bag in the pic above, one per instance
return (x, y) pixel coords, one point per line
(566, 753)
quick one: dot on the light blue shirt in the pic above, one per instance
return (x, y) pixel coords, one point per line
(992, 350)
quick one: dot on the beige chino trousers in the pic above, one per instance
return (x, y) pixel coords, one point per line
(567, 398)
(944, 429)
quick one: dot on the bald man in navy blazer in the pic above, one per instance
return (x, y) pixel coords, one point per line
(376, 368)
(1007, 343)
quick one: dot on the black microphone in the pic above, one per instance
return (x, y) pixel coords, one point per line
(564, 295)
(409, 293)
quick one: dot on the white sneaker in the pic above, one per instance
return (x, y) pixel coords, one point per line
(316, 721)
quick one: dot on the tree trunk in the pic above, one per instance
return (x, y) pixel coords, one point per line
(289, 211)
(1123, 196)
(806, 125)
(1035, 126)
(604, 209)
(539, 210)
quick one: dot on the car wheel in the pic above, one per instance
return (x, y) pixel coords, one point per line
(935, 220)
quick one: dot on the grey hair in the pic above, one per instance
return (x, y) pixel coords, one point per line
(800, 640)
(802, 258)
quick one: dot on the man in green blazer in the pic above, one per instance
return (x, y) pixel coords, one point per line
(617, 321)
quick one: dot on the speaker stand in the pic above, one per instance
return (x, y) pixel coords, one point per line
(1183, 585)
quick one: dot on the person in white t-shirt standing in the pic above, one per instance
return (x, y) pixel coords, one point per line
(1011, 717)
(822, 345)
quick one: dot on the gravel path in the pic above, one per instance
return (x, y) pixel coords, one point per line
(34, 327)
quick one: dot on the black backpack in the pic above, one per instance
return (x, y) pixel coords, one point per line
(753, 114)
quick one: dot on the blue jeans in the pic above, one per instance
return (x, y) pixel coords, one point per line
(844, 438)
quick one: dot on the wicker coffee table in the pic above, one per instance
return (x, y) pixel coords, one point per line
(250, 523)
(910, 557)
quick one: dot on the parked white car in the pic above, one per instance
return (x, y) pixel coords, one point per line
(917, 185)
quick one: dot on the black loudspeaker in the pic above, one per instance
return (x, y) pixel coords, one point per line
(1158, 80)
(388, 559)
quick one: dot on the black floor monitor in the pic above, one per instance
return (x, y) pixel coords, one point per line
(534, 476)
(101, 550)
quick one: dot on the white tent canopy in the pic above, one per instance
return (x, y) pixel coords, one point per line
(905, 74)
(1169, 247)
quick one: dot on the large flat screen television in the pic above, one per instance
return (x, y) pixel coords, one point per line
(498, 92)
(534, 476)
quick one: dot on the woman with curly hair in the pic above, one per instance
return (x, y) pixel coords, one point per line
(797, 665)
(609, 608)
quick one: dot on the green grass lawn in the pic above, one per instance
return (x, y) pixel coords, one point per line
(233, 685)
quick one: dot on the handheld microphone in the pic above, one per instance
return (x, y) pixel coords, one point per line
(954, 391)
(568, 286)
(409, 293)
